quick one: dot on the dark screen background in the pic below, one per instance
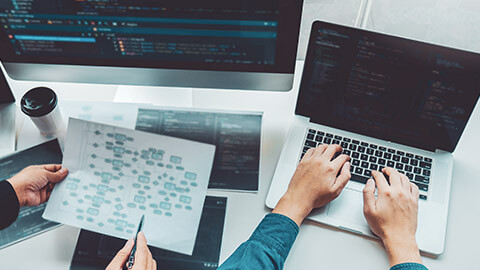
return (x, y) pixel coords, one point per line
(390, 88)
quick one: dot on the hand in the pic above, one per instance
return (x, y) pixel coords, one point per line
(143, 256)
(392, 216)
(34, 184)
(316, 182)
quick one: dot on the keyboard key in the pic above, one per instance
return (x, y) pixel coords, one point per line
(419, 157)
(329, 135)
(361, 149)
(338, 137)
(421, 186)
(321, 133)
(353, 147)
(408, 168)
(356, 162)
(409, 175)
(344, 145)
(402, 172)
(327, 140)
(390, 150)
(381, 148)
(352, 168)
(355, 142)
(370, 151)
(364, 165)
(363, 157)
(346, 140)
(414, 162)
(390, 164)
(305, 149)
(357, 177)
(319, 138)
(417, 170)
(380, 168)
(364, 144)
(373, 167)
(347, 152)
(382, 161)
(310, 136)
(422, 197)
(399, 166)
(425, 165)
(429, 160)
(422, 179)
(311, 144)
(359, 171)
(396, 158)
(378, 153)
(312, 131)
(373, 146)
(355, 155)
(335, 142)
(387, 155)
(367, 173)
(405, 160)
(410, 155)
(426, 172)
(372, 159)
(400, 153)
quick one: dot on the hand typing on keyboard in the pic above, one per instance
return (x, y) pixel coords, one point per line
(392, 216)
(318, 180)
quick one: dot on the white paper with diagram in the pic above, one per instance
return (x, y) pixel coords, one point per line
(116, 175)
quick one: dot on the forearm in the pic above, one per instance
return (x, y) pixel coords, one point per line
(9, 205)
(402, 250)
(267, 248)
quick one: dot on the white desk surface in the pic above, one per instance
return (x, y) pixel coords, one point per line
(317, 246)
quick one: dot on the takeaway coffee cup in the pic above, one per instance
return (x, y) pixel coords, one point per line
(41, 105)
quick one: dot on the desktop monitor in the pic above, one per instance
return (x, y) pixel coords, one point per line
(241, 44)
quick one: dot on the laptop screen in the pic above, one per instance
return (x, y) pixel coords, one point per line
(386, 87)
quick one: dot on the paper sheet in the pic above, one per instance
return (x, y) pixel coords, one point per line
(117, 175)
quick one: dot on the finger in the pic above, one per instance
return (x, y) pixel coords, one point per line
(308, 154)
(57, 176)
(339, 161)
(414, 190)
(380, 181)
(343, 178)
(394, 176)
(405, 182)
(52, 167)
(369, 196)
(141, 255)
(149, 260)
(330, 151)
(154, 265)
(121, 258)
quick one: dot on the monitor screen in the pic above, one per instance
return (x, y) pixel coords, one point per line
(391, 88)
(243, 35)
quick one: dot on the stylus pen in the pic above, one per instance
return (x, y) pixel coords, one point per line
(131, 258)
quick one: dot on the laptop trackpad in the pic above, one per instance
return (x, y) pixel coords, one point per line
(348, 207)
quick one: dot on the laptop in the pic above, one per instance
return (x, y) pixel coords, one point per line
(388, 101)
(7, 118)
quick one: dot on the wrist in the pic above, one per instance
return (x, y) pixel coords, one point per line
(401, 249)
(293, 207)
(18, 192)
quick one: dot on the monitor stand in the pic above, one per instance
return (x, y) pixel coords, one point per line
(158, 96)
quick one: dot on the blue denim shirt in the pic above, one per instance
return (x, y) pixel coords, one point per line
(269, 245)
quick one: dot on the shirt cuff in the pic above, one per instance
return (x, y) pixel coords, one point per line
(276, 232)
(409, 266)
(9, 204)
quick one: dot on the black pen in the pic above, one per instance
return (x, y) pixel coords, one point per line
(131, 258)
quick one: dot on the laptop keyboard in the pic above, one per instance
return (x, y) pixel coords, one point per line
(367, 157)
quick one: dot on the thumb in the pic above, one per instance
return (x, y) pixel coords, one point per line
(369, 196)
(55, 177)
(121, 258)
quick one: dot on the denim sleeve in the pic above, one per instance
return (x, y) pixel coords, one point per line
(267, 248)
(409, 266)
